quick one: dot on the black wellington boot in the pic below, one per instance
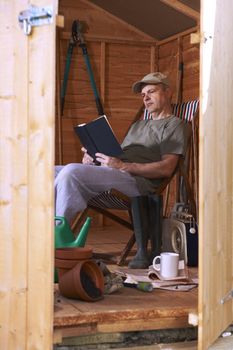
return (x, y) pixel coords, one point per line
(139, 208)
(155, 209)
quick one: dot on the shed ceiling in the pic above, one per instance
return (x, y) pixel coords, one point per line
(160, 19)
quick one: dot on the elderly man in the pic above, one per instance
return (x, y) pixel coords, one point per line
(151, 150)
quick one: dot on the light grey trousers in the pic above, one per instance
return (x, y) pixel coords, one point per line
(76, 184)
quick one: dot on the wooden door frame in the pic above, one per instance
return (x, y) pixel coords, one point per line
(215, 171)
(27, 103)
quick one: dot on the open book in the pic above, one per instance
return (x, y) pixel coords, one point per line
(98, 136)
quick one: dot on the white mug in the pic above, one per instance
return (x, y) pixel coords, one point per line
(169, 264)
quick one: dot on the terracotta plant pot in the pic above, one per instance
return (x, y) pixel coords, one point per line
(73, 253)
(84, 281)
(67, 258)
(66, 264)
(63, 266)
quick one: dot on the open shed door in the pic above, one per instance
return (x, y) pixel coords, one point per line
(27, 110)
(216, 170)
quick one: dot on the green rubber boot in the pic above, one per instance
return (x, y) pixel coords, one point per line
(139, 208)
(155, 206)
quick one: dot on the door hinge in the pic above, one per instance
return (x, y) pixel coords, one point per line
(35, 16)
(227, 297)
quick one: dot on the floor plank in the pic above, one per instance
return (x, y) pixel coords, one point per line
(128, 309)
(109, 239)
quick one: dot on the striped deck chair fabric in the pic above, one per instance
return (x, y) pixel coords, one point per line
(185, 110)
(108, 201)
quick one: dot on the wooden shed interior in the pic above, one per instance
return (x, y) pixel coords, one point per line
(121, 49)
(120, 52)
(126, 39)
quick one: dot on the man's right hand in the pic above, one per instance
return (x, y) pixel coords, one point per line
(87, 159)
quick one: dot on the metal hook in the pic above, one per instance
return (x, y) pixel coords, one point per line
(27, 28)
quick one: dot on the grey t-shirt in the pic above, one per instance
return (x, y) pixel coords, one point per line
(148, 140)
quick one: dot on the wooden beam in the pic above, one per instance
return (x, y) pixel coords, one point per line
(186, 10)
(110, 39)
(129, 26)
(60, 20)
(179, 35)
(195, 38)
(138, 325)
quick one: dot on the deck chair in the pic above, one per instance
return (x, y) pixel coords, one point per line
(106, 202)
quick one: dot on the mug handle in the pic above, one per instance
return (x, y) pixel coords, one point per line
(158, 257)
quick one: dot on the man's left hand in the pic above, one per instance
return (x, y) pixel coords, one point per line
(109, 161)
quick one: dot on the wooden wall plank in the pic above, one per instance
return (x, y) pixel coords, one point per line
(216, 171)
(122, 72)
(41, 112)
(27, 158)
(13, 179)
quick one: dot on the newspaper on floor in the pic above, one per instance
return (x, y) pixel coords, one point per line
(183, 282)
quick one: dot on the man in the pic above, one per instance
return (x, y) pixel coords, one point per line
(151, 150)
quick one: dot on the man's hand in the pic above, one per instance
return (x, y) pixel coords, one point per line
(163, 168)
(87, 159)
(112, 162)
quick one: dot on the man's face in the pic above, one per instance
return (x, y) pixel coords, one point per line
(155, 97)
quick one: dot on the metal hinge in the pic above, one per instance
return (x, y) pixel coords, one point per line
(227, 297)
(35, 16)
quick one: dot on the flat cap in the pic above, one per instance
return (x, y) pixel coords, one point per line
(151, 78)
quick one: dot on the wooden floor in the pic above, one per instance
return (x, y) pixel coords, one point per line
(125, 310)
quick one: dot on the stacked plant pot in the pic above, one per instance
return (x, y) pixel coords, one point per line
(79, 276)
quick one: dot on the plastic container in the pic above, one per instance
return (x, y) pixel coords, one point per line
(64, 237)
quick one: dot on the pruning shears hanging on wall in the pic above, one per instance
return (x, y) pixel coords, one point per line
(78, 39)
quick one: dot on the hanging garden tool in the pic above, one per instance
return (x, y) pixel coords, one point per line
(78, 39)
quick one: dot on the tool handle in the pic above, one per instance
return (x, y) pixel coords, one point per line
(93, 84)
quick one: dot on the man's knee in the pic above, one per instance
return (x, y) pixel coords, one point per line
(71, 174)
(57, 169)
(68, 170)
